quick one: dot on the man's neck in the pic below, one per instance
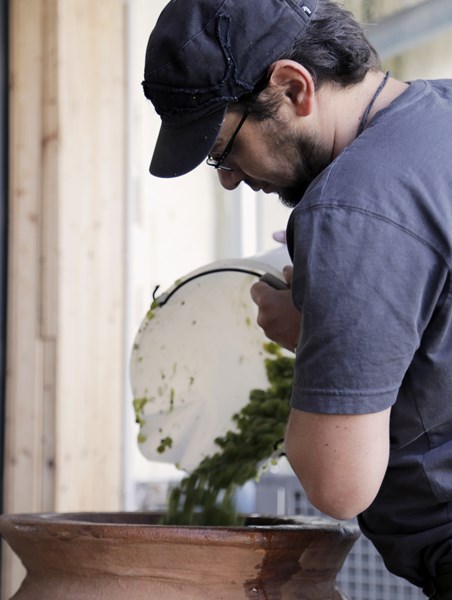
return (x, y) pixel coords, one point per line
(349, 106)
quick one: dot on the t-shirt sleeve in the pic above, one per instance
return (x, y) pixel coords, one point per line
(366, 289)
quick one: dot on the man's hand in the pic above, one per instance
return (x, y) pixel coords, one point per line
(277, 316)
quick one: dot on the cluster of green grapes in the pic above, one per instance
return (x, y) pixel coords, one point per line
(206, 496)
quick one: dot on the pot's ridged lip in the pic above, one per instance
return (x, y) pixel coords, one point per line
(66, 556)
(145, 525)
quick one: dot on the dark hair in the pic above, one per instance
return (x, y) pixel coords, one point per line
(334, 48)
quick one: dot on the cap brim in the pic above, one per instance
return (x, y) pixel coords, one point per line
(181, 148)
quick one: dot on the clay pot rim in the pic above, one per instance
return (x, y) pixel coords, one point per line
(95, 518)
(68, 524)
(68, 558)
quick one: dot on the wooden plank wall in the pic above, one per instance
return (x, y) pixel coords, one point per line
(65, 377)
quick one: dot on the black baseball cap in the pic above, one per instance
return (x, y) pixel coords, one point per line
(201, 56)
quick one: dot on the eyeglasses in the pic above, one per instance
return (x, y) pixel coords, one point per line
(217, 163)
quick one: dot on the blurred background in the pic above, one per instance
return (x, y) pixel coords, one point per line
(86, 234)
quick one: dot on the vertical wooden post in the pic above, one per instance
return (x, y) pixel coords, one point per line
(65, 369)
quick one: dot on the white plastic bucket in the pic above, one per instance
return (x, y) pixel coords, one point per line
(196, 357)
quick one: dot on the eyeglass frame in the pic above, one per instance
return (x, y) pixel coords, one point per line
(218, 163)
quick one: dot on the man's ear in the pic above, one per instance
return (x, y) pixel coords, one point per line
(295, 83)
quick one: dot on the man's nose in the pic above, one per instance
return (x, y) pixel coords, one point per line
(230, 179)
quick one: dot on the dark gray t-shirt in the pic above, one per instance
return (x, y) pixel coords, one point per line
(371, 243)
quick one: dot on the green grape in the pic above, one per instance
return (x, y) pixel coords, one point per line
(206, 496)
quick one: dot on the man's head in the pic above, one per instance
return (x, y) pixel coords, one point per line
(206, 57)
(205, 54)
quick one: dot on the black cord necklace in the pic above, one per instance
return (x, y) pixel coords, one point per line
(371, 103)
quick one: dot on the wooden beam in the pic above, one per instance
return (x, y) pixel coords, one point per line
(65, 369)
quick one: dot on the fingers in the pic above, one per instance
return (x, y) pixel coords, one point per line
(288, 272)
(280, 236)
(259, 291)
(277, 316)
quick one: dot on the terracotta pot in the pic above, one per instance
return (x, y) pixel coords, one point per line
(128, 556)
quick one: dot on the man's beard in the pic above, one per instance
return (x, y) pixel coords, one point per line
(307, 155)
(309, 158)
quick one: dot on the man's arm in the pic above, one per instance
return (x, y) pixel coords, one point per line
(339, 459)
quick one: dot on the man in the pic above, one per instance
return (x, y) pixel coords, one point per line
(287, 97)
